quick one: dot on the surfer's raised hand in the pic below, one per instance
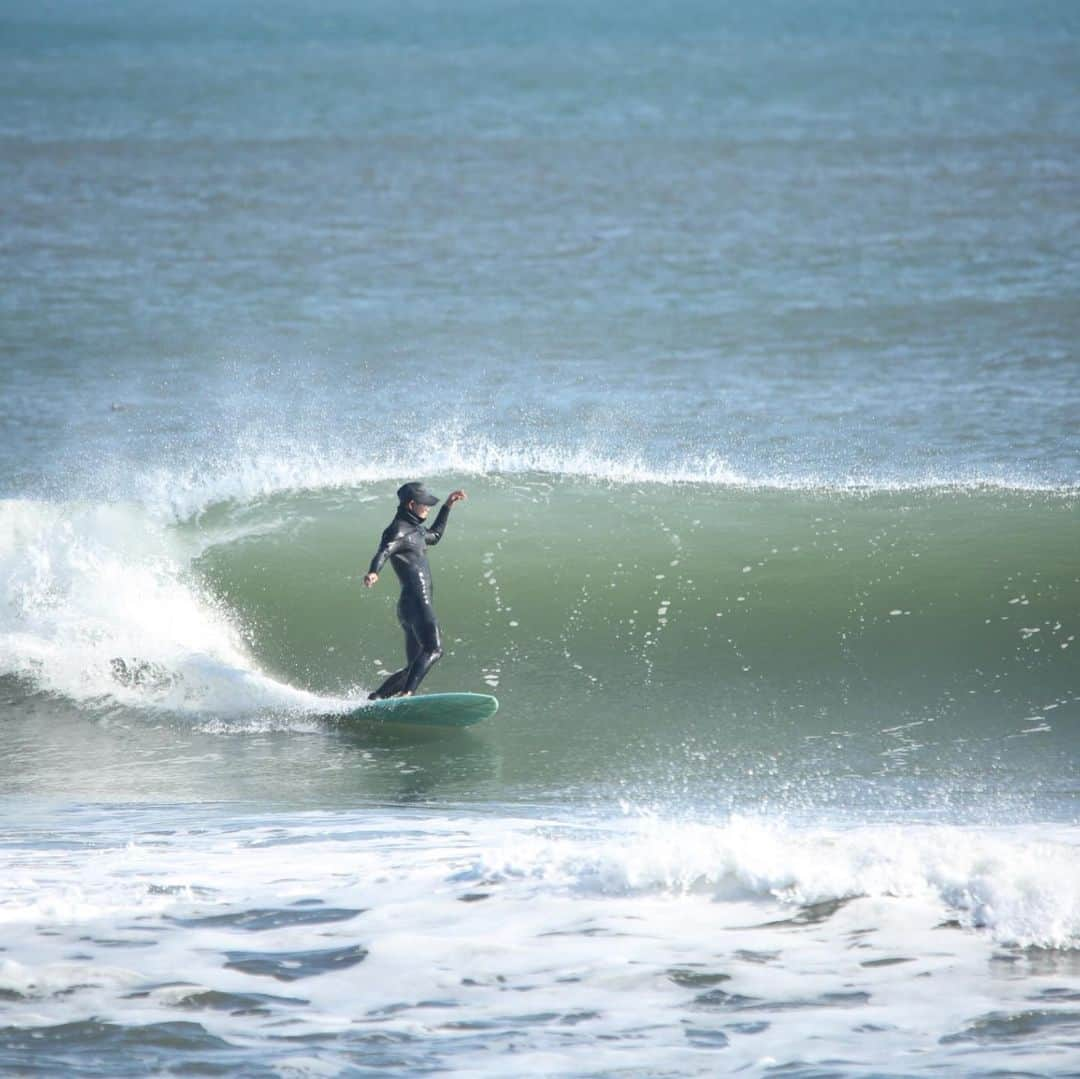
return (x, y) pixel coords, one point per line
(370, 579)
(455, 496)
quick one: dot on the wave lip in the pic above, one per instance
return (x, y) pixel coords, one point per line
(250, 473)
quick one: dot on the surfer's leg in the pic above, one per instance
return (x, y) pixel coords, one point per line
(396, 681)
(391, 686)
(426, 629)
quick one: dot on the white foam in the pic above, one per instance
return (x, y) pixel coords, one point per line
(1021, 889)
(1021, 884)
(588, 921)
(51, 978)
(86, 585)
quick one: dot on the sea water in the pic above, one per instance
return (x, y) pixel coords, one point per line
(750, 331)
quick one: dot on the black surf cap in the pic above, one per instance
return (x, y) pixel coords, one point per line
(415, 492)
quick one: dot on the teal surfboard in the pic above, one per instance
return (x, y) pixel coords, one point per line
(426, 710)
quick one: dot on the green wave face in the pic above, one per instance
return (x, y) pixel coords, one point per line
(631, 623)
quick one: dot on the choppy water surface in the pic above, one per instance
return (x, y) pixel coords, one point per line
(751, 332)
(486, 942)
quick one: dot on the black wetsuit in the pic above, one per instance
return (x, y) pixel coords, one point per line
(405, 543)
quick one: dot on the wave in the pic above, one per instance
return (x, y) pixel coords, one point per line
(657, 595)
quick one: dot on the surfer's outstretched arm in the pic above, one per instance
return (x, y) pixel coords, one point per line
(433, 534)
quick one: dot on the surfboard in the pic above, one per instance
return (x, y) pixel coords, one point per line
(426, 710)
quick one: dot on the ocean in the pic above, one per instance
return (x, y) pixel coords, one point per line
(751, 331)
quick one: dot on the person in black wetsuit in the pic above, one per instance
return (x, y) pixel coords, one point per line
(405, 542)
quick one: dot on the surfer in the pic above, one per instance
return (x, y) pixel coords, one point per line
(405, 542)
